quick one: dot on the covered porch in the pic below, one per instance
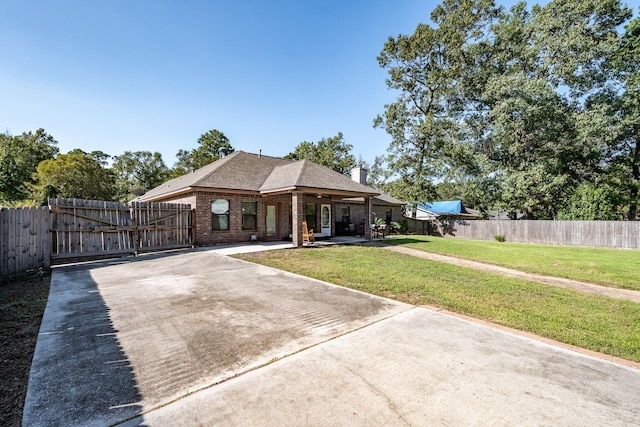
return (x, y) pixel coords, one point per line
(305, 180)
(325, 226)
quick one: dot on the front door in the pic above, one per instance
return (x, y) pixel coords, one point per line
(272, 221)
(325, 220)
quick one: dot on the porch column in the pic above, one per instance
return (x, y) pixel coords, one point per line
(297, 216)
(368, 209)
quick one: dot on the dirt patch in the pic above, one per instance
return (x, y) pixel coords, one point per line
(22, 305)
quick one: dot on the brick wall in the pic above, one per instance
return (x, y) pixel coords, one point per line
(205, 235)
(380, 211)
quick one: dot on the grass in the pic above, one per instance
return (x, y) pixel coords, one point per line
(616, 268)
(593, 322)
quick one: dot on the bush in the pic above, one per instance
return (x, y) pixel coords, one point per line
(499, 237)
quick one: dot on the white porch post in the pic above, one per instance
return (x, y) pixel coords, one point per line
(368, 209)
(297, 208)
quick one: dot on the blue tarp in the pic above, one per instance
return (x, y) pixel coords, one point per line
(449, 207)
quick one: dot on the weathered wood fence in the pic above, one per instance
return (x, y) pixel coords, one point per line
(606, 234)
(74, 229)
(25, 240)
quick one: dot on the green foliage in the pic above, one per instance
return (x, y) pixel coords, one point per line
(99, 156)
(506, 105)
(499, 238)
(624, 150)
(332, 152)
(477, 193)
(19, 158)
(425, 67)
(138, 172)
(410, 189)
(377, 221)
(590, 202)
(77, 175)
(212, 146)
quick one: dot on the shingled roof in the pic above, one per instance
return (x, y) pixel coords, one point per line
(305, 175)
(241, 171)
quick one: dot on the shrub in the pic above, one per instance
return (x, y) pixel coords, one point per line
(499, 237)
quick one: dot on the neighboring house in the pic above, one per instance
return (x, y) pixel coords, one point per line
(451, 209)
(244, 196)
(439, 218)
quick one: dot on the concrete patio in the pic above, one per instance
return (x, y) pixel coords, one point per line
(199, 338)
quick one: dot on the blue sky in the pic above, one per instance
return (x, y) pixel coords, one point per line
(139, 75)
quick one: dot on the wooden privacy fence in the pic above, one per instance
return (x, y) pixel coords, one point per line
(606, 234)
(25, 240)
(91, 228)
(75, 229)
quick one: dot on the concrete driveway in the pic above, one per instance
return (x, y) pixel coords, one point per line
(199, 338)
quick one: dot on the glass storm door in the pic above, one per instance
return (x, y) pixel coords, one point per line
(325, 220)
(272, 221)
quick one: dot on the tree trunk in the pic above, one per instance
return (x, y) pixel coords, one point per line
(635, 180)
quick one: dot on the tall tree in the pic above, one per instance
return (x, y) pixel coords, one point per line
(592, 202)
(77, 175)
(332, 152)
(99, 156)
(425, 67)
(212, 146)
(491, 94)
(624, 150)
(19, 158)
(138, 172)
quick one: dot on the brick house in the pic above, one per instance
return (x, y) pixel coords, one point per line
(244, 196)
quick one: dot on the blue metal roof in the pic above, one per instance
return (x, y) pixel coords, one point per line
(452, 206)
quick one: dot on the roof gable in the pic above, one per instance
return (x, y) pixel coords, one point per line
(246, 171)
(283, 177)
(305, 174)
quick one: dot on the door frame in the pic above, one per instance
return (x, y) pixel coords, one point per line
(275, 236)
(325, 231)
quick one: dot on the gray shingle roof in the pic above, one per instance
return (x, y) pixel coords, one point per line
(282, 177)
(305, 174)
(251, 172)
(387, 199)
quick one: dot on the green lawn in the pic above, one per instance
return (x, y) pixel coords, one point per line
(598, 323)
(617, 268)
